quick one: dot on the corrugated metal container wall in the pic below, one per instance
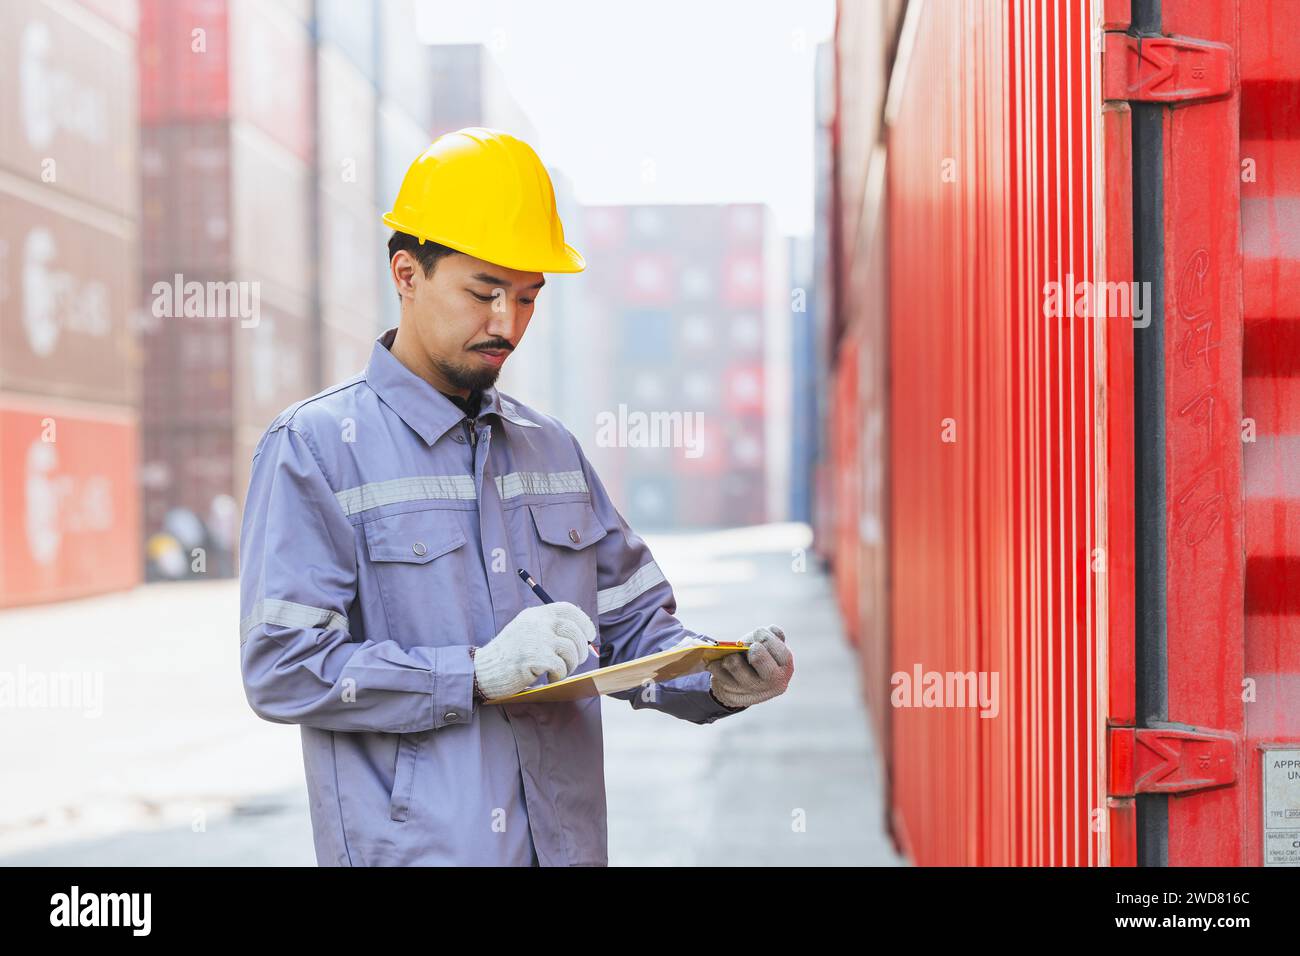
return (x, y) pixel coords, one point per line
(856, 254)
(846, 477)
(994, 495)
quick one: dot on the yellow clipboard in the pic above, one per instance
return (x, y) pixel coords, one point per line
(662, 666)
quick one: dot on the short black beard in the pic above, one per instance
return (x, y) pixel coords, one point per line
(471, 379)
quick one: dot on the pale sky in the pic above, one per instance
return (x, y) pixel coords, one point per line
(712, 97)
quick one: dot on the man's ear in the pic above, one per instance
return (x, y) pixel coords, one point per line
(402, 269)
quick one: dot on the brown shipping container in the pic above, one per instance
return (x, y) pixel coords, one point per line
(67, 295)
(188, 366)
(185, 201)
(69, 507)
(68, 102)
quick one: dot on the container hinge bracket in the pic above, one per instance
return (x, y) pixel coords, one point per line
(1157, 69)
(1168, 760)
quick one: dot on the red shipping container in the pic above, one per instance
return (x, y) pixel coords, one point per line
(1097, 510)
(69, 506)
(67, 299)
(743, 389)
(184, 60)
(67, 103)
(997, 508)
(223, 59)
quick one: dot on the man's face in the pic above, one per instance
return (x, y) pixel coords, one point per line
(468, 315)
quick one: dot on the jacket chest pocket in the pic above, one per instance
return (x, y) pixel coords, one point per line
(567, 532)
(418, 560)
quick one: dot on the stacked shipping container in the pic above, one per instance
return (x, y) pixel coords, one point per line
(69, 244)
(685, 297)
(274, 135)
(229, 264)
(1070, 491)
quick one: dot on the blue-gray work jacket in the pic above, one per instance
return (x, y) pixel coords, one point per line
(381, 535)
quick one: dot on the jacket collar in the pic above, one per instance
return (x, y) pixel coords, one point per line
(425, 409)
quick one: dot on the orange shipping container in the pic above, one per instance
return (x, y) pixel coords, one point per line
(69, 511)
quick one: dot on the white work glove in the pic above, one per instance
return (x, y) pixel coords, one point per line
(759, 674)
(544, 639)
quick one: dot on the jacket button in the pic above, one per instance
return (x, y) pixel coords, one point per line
(451, 716)
(574, 536)
(419, 548)
(461, 439)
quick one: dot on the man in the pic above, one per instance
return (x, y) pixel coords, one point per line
(385, 522)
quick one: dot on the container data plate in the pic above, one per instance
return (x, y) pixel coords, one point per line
(1281, 807)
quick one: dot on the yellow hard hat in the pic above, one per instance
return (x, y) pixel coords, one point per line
(485, 193)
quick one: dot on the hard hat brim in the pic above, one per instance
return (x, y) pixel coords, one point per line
(571, 260)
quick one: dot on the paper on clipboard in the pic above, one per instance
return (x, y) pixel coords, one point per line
(687, 657)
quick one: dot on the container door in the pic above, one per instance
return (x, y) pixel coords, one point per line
(1205, 766)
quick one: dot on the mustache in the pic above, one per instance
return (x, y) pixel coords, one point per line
(495, 346)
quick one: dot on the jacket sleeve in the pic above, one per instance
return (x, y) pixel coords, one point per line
(636, 607)
(298, 581)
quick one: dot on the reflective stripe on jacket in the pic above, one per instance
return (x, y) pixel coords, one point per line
(380, 541)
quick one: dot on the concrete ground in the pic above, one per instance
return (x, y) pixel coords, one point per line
(155, 758)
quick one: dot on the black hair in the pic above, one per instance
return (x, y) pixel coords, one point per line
(426, 253)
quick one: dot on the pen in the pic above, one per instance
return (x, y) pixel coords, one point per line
(547, 599)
